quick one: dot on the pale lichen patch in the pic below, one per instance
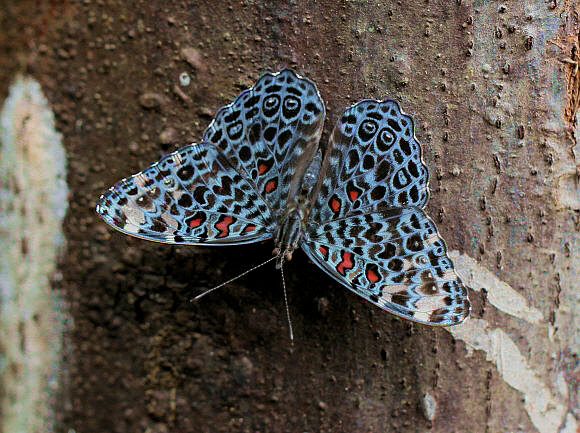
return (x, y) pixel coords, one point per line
(33, 202)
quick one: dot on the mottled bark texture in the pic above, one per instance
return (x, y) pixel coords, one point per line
(493, 88)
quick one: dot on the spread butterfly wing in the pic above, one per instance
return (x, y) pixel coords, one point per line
(231, 188)
(367, 228)
(373, 157)
(394, 258)
(193, 196)
(271, 133)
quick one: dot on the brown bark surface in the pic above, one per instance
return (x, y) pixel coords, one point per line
(493, 89)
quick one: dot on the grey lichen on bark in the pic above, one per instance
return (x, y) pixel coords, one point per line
(33, 203)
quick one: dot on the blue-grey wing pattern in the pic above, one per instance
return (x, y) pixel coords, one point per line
(367, 228)
(193, 196)
(395, 258)
(232, 187)
(271, 133)
(373, 159)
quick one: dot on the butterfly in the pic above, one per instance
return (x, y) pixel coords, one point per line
(355, 207)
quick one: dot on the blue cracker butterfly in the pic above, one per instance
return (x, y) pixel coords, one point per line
(356, 211)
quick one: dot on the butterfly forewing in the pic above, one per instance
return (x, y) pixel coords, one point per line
(271, 133)
(367, 229)
(373, 157)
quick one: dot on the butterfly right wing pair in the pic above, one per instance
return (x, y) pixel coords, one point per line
(367, 228)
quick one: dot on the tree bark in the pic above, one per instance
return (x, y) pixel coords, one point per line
(494, 92)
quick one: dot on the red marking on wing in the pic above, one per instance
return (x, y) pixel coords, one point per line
(224, 226)
(335, 204)
(195, 223)
(372, 276)
(324, 251)
(262, 168)
(346, 263)
(353, 195)
(270, 186)
(249, 228)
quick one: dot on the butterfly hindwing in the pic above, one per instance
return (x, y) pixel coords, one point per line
(193, 196)
(271, 133)
(373, 157)
(396, 259)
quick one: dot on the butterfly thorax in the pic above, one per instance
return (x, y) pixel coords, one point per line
(292, 224)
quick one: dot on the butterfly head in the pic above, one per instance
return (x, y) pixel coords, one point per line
(282, 256)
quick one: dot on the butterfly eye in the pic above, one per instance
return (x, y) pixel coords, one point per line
(291, 104)
(270, 102)
(369, 127)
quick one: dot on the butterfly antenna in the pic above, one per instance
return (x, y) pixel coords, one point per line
(233, 279)
(286, 300)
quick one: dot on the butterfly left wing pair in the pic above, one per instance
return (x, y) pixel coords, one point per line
(229, 189)
(367, 228)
